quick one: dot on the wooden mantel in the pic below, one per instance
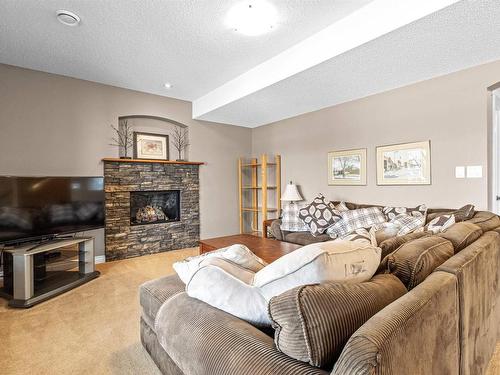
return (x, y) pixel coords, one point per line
(118, 160)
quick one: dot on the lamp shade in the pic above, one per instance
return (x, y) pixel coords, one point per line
(291, 193)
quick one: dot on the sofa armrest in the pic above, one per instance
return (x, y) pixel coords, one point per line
(416, 334)
(201, 339)
(276, 230)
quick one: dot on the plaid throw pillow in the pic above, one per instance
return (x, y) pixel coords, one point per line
(318, 215)
(356, 219)
(290, 220)
(408, 223)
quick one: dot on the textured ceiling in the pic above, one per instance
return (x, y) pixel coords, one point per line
(460, 36)
(141, 45)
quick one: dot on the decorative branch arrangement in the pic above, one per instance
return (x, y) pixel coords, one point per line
(124, 137)
(180, 140)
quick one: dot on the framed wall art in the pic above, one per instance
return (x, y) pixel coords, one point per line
(404, 164)
(347, 167)
(150, 146)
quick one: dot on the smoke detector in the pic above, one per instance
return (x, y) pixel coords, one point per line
(67, 18)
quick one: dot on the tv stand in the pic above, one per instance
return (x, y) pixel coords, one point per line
(21, 284)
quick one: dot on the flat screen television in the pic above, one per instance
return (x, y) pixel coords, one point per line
(34, 208)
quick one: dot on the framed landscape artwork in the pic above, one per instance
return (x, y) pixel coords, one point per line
(150, 146)
(404, 164)
(347, 167)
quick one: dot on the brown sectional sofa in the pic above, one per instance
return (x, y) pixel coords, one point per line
(446, 324)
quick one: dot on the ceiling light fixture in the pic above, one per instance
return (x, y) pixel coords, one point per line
(67, 18)
(252, 17)
(168, 85)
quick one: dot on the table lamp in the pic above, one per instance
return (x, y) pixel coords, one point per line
(291, 194)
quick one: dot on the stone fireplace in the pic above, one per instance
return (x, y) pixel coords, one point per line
(151, 206)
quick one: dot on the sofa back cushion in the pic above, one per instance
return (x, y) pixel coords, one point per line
(486, 220)
(312, 323)
(389, 245)
(462, 234)
(413, 261)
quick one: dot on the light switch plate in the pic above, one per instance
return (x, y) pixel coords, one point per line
(474, 171)
(460, 172)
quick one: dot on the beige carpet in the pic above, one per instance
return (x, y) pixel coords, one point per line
(93, 329)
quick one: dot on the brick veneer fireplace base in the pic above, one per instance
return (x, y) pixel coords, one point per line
(121, 177)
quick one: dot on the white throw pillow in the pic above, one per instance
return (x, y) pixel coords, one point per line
(344, 261)
(441, 223)
(237, 254)
(245, 294)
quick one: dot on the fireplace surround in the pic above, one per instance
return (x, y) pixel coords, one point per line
(159, 188)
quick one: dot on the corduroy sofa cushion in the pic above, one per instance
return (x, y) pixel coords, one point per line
(413, 261)
(462, 234)
(485, 220)
(314, 322)
(391, 244)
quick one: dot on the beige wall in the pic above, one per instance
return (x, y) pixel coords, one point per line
(451, 111)
(54, 125)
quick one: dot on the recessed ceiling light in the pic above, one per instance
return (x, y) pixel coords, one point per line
(168, 85)
(67, 18)
(252, 17)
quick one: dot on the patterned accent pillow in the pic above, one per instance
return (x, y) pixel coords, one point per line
(408, 223)
(319, 215)
(360, 235)
(356, 219)
(464, 213)
(440, 223)
(290, 220)
(392, 212)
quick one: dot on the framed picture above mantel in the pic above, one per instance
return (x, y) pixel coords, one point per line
(347, 167)
(151, 146)
(404, 164)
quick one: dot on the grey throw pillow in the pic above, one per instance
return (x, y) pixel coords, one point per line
(392, 212)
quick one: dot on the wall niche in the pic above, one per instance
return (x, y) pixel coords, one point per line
(156, 125)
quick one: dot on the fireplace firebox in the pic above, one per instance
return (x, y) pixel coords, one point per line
(154, 207)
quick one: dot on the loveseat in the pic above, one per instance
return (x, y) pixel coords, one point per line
(447, 323)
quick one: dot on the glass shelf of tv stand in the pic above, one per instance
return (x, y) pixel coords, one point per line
(23, 284)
